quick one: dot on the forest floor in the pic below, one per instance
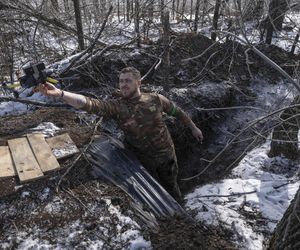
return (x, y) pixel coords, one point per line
(87, 212)
(38, 206)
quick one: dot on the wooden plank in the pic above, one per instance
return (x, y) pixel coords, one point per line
(26, 165)
(42, 152)
(7, 168)
(62, 146)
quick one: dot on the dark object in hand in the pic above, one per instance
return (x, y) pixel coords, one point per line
(35, 74)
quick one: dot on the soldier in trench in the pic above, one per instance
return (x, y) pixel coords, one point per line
(139, 115)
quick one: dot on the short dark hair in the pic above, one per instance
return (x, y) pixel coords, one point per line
(136, 73)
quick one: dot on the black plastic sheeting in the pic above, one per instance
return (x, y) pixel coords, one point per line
(113, 162)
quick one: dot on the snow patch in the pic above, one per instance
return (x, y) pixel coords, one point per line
(44, 194)
(68, 150)
(251, 201)
(16, 108)
(46, 128)
(124, 233)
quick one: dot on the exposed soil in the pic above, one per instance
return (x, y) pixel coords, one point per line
(79, 190)
(220, 62)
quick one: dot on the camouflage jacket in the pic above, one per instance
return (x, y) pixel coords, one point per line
(141, 120)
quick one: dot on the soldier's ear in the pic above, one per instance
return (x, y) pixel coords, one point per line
(139, 83)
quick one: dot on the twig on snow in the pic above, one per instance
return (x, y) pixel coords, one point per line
(227, 195)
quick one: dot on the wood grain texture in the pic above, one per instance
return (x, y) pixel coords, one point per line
(42, 152)
(7, 168)
(24, 160)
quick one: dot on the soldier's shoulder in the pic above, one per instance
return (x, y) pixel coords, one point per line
(149, 96)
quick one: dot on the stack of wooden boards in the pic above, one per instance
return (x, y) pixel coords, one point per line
(32, 156)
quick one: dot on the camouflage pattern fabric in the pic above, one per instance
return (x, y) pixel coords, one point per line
(146, 134)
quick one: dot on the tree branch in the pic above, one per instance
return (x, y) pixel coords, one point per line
(265, 58)
(227, 195)
(36, 103)
(92, 45)
(238, 135)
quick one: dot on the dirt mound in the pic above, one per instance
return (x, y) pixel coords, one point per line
(180, 233)
(36, 211)
(230, 61)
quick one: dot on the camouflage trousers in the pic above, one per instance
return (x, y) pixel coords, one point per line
(165, 170)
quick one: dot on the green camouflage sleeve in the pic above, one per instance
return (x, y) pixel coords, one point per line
(171, 109)
(99, 107)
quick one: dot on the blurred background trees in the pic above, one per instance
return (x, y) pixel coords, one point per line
(51, 30)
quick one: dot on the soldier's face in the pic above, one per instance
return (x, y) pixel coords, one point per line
(129, 85)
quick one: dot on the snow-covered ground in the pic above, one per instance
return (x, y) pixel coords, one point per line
(15, 108)
(251, 200)
(124, 31)
(126, 231)
(121, 32)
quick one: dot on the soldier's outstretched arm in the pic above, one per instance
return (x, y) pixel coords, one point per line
(75, 100)
(171, 109)
(91, 105)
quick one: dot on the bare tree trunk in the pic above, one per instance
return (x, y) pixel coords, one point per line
(177, 9)
(173, 9)
(128, 10)
(295, 42)
(183, 7)
(118, 10)
(7, 54)
(85, 13)
(162, 8)
(285, 136)
(192, 11)
(11, 71)
(287, 233)
(137, 23)
(166, 41)
(150, 11)
(148, 20)
(196, 15)
(215, 19)
(78, 24)
(131, 7)
(277, 9)
(124, 10)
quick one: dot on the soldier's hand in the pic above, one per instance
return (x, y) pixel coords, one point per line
(49, 89)
(197, 133)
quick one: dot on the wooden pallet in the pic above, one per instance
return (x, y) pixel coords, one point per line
(7, 168)
(31, 157)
